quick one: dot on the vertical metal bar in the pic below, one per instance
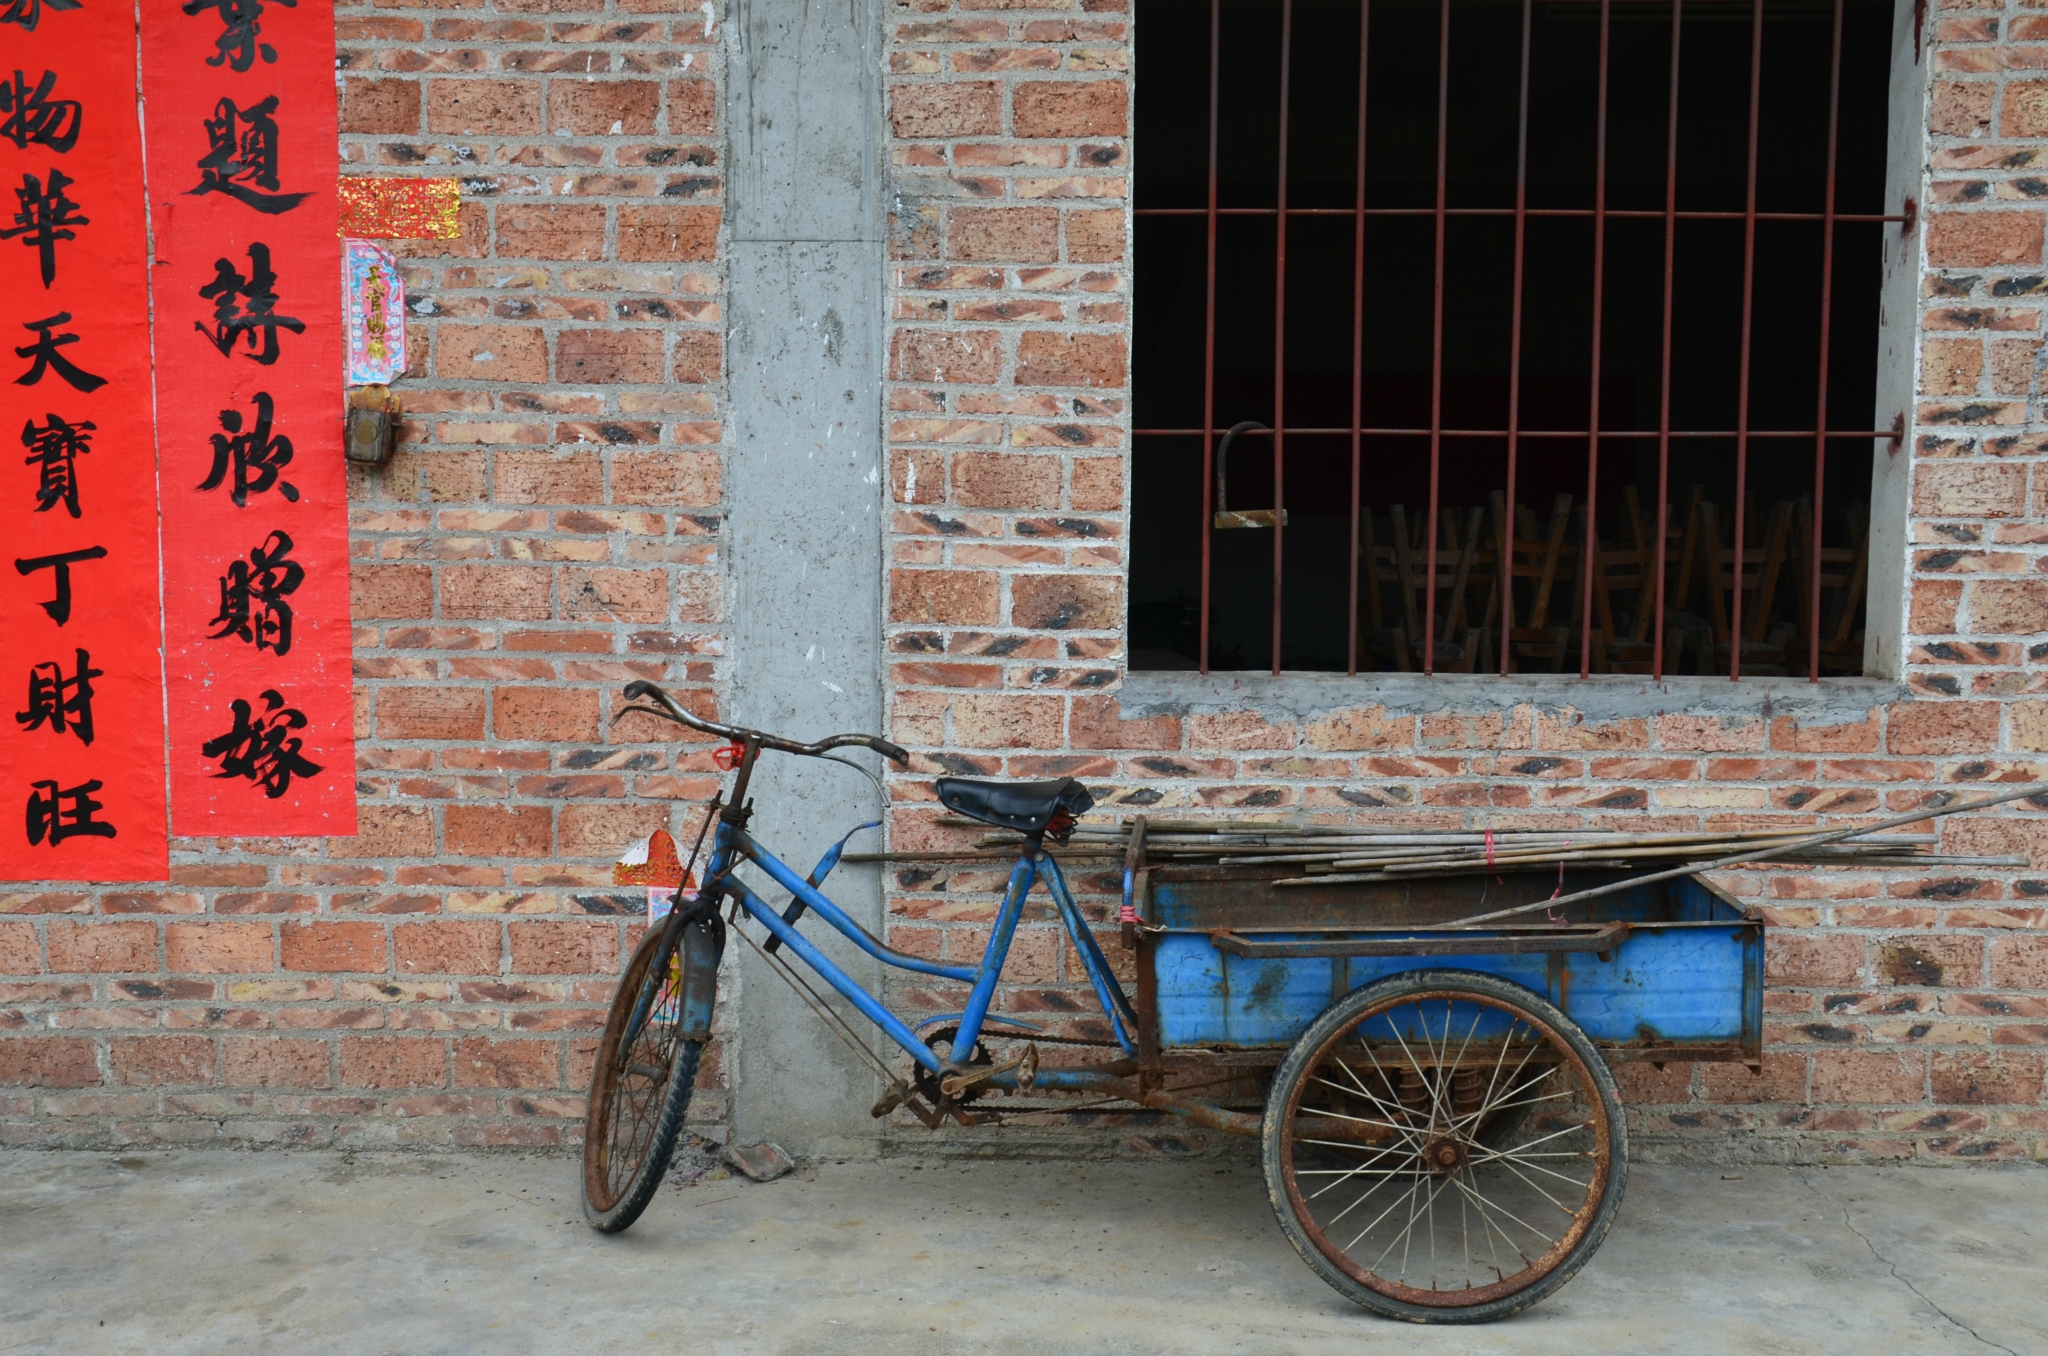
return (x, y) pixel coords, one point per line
(1756, 86)
(1827, 293)
(1588, 548)
(1664, 375)
(1507, 529)
(1436, 336)
(1209, 333)
(1358, 323)
(1280, 334)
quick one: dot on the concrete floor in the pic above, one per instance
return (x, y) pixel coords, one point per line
(321, 1252)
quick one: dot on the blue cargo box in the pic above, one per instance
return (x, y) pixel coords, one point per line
(1671, 970)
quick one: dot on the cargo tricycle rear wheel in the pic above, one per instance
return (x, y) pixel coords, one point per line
(1444, 1146)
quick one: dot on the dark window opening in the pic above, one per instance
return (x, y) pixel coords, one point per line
(1411, 414)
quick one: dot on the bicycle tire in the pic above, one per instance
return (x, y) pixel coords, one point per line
(1308, 1151)
(612, 1202)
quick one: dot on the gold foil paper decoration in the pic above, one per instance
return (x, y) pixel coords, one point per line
(399, 209)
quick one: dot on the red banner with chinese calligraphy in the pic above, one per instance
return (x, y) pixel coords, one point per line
(240, 113)
(81, 676)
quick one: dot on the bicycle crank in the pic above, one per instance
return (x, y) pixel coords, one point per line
(1025, 1066)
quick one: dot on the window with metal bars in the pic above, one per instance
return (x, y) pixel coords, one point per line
(1507, 335)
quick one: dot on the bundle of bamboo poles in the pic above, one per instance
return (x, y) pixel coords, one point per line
(1336, 853)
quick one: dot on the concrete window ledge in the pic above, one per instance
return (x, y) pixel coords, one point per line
(1302, 695)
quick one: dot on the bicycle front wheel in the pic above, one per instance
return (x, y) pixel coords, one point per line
(639, 1090)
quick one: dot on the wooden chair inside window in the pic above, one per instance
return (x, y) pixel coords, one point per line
(1392, 631)
(1631, 574)
(1537, 560)
(1758, 571)
(1844, 572)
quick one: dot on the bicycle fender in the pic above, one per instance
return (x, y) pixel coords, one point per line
(697, 955)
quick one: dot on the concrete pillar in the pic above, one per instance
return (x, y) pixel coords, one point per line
(807, 493)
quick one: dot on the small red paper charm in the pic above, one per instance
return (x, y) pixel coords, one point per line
(81, 671)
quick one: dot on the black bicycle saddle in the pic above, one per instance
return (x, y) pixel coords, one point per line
(1027, 807)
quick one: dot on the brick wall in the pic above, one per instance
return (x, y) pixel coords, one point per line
(549, 529)
(1905, 1012)
(552, 526)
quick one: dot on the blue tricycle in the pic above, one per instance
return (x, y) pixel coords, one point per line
(1441, 1137)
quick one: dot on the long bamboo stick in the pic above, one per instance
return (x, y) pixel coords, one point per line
(1762, 854)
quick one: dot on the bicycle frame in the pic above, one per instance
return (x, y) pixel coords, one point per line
(733, 845)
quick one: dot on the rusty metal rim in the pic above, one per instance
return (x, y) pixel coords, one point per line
(599, 1157)
(1558, 1252)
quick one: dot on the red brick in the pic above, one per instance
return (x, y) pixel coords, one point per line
(391, 591)
(1059, 602)
(1099, 723)
(1805, 959)
(1944, 727)
(219, 948)
(1067, 108)
(393, 1062)
(481, 1063)
(943, 597)
(699, 357)
(498, 592)
(1972, 1078)
(601, 830)
(958, 356)
(2025, 113)
(323, 946)
(1018, 235)
(1095, 237)
(544, 713)
(665, 234)
(2008, 606)
(487, 107)
(1048, 358)
(1006, 480)
(2020, 963)
(498, 830)
(156, 1061)
(564, 948)
(490, 353)
(48, 1062)
(567, 231)
(430, 713)
(609, 357)
(692, 107)
(274, 1062)
(80, 948)
(446, 948)
(1983, 239)
(381, 106)
(387, 831)
(20, 952)
(1857, 1076)
(946, 110)
(603, 107)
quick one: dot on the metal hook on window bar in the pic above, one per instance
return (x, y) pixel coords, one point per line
(1248, 517)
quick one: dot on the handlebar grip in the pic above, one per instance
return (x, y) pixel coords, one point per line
(892, 752)
(639, 688)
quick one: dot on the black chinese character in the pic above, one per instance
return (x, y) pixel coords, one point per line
(237, 43)
(35, 119)
(264, 750)
(65, 703)
(256, 456)
(44, 351)
(46, 217)
(29, 13)
(54, 452)
(235, 160)
(253, 596)
(59, 607)
(46, 817)
(231, 323)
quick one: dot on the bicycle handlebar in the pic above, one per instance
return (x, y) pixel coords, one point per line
(669, 710)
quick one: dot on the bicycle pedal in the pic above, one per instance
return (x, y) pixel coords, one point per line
(898, 1093)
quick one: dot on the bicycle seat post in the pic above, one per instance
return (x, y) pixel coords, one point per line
(737, 811)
